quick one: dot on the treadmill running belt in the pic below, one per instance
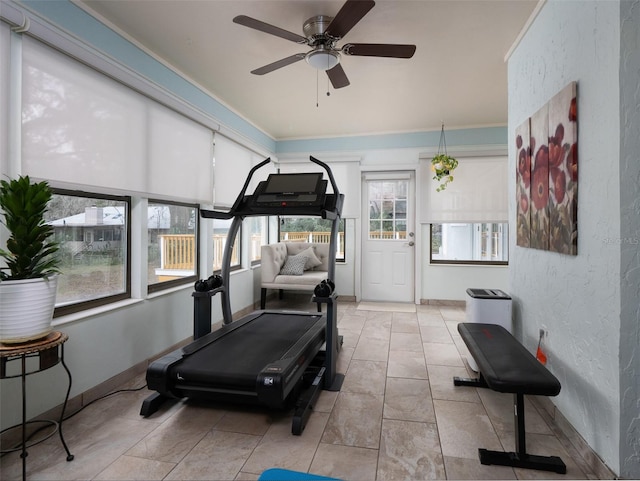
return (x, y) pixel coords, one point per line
(236, 359)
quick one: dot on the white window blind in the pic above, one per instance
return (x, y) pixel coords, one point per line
(4, 95)
(477, 194)
(82, 128)
(232, 163)
(346, 175)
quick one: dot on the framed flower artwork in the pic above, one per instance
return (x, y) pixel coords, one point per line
(547, 176)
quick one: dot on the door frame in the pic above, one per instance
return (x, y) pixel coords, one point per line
(417, 227)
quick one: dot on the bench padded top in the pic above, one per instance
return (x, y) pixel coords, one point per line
(504, 363)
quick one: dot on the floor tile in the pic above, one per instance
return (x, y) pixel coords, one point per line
(404, 322)
(173, 440)
(442, 354)
(405, 341)
(132, 468)
(542, 445)
(500, 408)
(365, 377)
(408, 400)
(345, 462)
(408, 364)
(219, 455)
(279, 448)
(442, 387)
(464, 427)
(355, 421)
(410, 450)
(435, 334)
(371, 349)
(465, 468)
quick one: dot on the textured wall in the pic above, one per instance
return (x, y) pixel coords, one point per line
(630, 239)
(576, 298)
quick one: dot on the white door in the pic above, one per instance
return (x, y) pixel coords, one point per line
(388, 240)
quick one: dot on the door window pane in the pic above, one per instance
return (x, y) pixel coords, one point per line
(388, 202)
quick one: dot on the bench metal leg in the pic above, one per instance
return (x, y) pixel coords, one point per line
(471, 382)
(528, 461)
(520, 459)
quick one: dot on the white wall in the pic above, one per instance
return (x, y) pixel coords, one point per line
(630, 234)
(576, 298)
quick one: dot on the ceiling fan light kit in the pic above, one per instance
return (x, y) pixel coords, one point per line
(323, 59)
(322, 33)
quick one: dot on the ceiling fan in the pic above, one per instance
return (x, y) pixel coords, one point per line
(322, 33)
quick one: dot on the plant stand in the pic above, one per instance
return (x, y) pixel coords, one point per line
(49, 351)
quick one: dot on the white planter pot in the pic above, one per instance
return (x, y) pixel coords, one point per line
(26, 309)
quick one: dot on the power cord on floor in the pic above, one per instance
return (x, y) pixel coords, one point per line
(104, 397)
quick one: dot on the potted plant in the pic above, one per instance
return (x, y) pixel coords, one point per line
(443, 165)
(28, 283)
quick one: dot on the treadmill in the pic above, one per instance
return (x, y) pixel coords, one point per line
(277, 359)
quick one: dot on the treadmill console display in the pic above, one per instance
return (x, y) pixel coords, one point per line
(292, 190)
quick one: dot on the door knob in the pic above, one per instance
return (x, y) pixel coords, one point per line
(411, 244)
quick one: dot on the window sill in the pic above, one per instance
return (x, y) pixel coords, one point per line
(96, 311)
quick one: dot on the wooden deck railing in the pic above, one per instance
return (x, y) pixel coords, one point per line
(178, 251)
(319, 237)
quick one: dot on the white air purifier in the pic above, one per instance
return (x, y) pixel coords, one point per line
(488, 306)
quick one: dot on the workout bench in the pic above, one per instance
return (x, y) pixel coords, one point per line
(506, 366)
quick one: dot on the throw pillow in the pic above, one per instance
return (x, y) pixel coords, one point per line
(312, 258)
(294, 265)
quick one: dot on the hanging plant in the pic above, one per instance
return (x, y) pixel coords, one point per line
(443, 164)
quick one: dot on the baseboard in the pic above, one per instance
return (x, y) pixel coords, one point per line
(443, 302)
(586, 458)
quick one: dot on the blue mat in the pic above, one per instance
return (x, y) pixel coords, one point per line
(277, 474)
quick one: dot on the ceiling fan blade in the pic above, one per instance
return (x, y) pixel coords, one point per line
(350, 14)
(379, 50)
(268, 28)
(279, 64)
(338, 77)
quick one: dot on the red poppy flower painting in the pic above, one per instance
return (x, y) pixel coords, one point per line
(523, 181)
(547, 176)
(563, 171)
(539, 238)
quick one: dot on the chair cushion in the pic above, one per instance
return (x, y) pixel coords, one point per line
(312, 258)
(294, 265)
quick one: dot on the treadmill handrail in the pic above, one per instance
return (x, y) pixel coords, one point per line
(334, 186)
(240, 197)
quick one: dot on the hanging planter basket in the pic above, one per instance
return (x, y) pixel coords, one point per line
(443, 164)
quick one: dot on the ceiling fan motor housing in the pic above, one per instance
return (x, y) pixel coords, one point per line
(314, 29)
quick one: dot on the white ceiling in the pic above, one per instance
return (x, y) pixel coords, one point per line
(458, 74)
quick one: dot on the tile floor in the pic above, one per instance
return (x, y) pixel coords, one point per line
(397, 417)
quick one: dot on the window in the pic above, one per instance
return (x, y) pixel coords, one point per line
(94, 237)
(388, 209)
(258, 229)
(220, 231)
(478, 243)
(172, 244)
(312, 229)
